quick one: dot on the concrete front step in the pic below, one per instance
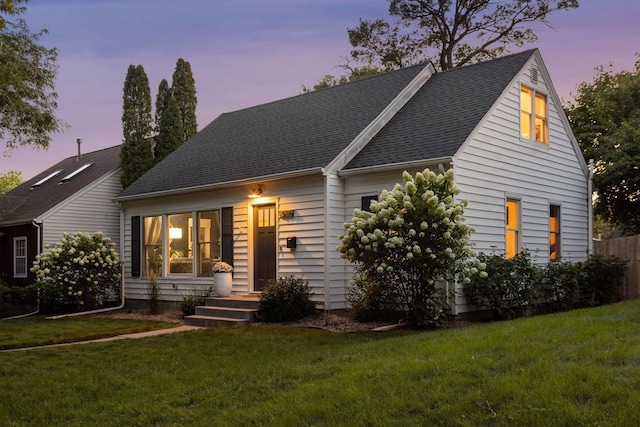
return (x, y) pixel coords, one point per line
(229, 312)
(214, 322)
(239, 301)
(225, 311)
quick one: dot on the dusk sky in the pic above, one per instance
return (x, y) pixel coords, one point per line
(248, 52)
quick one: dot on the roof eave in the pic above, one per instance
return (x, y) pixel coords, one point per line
(394, 166)
(221, 185)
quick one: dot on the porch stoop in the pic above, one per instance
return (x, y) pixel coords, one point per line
(225, 311)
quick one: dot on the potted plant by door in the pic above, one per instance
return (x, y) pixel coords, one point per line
(222, 279)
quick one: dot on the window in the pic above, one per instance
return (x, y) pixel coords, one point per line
(178, 233)
(533, 115)
(180, 250)
(20, 257)
(512, 228)
(366, 202)
(554, 232)
(153, 244)
(208, 241)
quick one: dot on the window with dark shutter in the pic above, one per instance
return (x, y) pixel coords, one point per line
(366, 202)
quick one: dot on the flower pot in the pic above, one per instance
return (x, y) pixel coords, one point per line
(222, 284)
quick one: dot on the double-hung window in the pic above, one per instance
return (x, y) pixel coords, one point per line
(554, 232)
(533, 115)
(20, 257)
(512, 232)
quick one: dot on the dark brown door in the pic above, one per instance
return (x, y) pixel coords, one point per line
(264, 248)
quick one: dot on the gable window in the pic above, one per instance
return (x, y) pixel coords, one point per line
(512, 234)
(533, 115)
(554, 232)
(20, 257)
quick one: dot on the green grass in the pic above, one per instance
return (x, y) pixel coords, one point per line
(577, 368)
(37, 330)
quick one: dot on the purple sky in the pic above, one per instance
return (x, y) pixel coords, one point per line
(248, 52)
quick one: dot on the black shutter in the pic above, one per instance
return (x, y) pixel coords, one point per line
(366, 202)
(135, 246)
(227, 235)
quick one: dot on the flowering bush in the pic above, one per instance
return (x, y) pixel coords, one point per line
(222, 267)
(83, 271)
(413, 237)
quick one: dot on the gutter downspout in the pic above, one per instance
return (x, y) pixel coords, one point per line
(590, 211)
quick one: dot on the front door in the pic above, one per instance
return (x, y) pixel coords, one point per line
(264, 246)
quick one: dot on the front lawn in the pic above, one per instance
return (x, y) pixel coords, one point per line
(38, 330)
(575, 368)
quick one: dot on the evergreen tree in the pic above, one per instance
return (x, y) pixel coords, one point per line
(170, 133)
(164, 93)
(135, 156)
(183, 87)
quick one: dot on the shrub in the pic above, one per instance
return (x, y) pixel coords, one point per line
(558, 288)
(370, 299)
(413, 237)
(195, 298)
(83, 271)
(504, 285)
(600, 280)
(285, 299)
(155, 307)
(16, 300)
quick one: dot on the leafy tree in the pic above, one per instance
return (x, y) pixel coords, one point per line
(136, 157)
(413, 237)
(170, 133)
(163, 95)
(27, 76)
(9, 181)
(183, 87)
(605, 117)
(450, 33)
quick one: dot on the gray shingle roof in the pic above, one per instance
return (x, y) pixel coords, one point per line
(441, 116)
(310, 130)
(303, 132)
(24, 204)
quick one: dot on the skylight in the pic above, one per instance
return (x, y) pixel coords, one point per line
(46, 178)
(76, 172)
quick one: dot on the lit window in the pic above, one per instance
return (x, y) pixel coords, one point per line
(20, 257)
(180, 250)
(153, 244)
(208, 241)
(533, 115)
(512, 228)
(554, 232)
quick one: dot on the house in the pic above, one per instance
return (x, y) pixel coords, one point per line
(268, 188)
(74, 195)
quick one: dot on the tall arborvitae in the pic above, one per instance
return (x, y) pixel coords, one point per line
(183, 87)
(164, 92)
(135, 156)
(170, 133)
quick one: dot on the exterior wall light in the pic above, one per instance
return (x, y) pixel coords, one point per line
(256, 192)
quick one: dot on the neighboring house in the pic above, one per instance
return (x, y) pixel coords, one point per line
(310, 160)
(74, 195)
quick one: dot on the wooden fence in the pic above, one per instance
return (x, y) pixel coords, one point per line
(627, 248)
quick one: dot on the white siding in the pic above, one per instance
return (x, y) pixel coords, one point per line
(89, 211)
(495, 164)
(304, 196)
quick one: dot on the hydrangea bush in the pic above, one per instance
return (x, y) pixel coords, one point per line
(82, 272)
(413, 237)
